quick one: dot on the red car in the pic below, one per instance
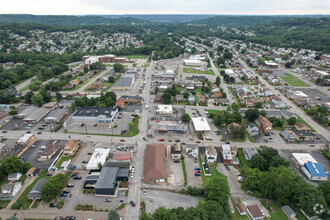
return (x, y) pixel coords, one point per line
(271, 208)
(157, 121)
(198, 142)
(122, 140)
(161, 139)
(75, 172)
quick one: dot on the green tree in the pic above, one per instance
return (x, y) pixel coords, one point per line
(252, 179)
(186, 118)
(292, 121)
(11, 164)
(58, 96)
(217, 189)
(37, 100)
(111, 79)
(217, 81)
(324, 187)
(28, 97)
(118, 68)
(52, 188)
(162, 213)
(156, 89)
(99, 165)
(166, 98)
(186, 94)
(252, 114)
(227, 55)
(259, 162)
(235, 106)
(258, 105)
(113, 215)
(26, 166)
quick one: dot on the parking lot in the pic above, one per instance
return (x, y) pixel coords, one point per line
(192, 180)
(319, 97)
(175, 171)
(156, 198)
(32, 155)
(119, 125)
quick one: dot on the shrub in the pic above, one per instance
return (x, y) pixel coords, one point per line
(126, 193)
(107, 210)
(60, 206)
(89, 191)
(85, 208)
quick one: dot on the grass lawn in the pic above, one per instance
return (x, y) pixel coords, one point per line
(238, 139)
(4, 203)
(299, 214)
(22, 179)
(137, 57)
(24, 88)
(59, 163)
(293, 81)
(133, 129)
(192, 71)
(214, 170)
(242, 161)
(23, 200)
(213, 111)
(302, 121)
(184, 171)
(236, 215)
(250, 137)
(278, 128)
(278, 214)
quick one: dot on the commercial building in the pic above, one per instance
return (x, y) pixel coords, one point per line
(154, 164)
(56, 115)
(194, 63)
(201, 124)
(50, 105)
(10, 190)
(175, 151)
(99, 156)
(35, 192)
(122, 155)
(95, 115)
(27, 140)
(107, 181)
(65, 103)
(33, 114)
(171, 126)
(49, 152)
(164, 110)
(314, 171)
(131, 99)
(108, 58)
(300, 159)
(169, 74)
(271, 64)
(303, 135)
(124, 83)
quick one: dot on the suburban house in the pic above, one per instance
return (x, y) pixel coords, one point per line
(254, 212)
(192, 150)
(14, 176)
(191, 99)
(70, 148)
(241, 209)
(154, 164)
(10, 190)
(32, 172)
(249, 153)
(226, 154)
(253, 129)
(287, 136)
(265, 126)
(179, 98)
(35, 192)
(211, 154)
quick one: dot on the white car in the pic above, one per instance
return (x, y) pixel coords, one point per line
(144, 192)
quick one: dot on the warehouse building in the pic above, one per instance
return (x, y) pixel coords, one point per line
(107, 181)
(314, 171)
(154, 164)
(95, 115)
(33, 114)
(99, 156)
(124, 83)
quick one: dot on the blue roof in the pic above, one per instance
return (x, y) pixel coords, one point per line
(316, 169)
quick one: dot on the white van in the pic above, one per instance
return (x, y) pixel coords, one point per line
(43, 147)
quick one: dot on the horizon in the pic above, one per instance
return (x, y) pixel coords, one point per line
(317, 14)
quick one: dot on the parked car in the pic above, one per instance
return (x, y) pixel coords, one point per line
(39, 132)
(196, 160)
(77, 177)
(145, 139)
(157, 121)
(132, 203)
(144, 192)
(198, 142)
(64, 195)
(84, 161)
(71, 218)
(161, 139)
(176, 161)
(28, 132)
(107, 200)
(122, 140)
(271, 208)
(70, 185)
(75, 172)
(53, 205)
(4, 131)
(177, 140)
(90, 153)
(49, 174)
(66, 191)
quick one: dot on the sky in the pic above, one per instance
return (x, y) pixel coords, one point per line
(244, 7)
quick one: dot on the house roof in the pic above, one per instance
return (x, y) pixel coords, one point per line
(315, 169)
(155, 166)
(212, 151)
(201, 124)
(255, 211)
(71, 143)
(240, 207)
(51, 148)
(37, 187)
(301, 125)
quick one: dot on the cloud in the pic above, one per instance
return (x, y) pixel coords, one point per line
(81, 7)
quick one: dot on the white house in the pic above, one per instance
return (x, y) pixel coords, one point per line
(14, 176)
(10, 190)
(253, 129)
(211, 154)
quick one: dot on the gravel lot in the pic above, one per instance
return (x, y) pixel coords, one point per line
(175, 169)
(192, 180)
(156, 198)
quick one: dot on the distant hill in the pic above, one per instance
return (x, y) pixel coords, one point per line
(240, 21)
(164, 18)
(65, 19)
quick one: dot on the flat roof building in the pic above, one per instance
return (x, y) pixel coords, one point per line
(107, 181)
(27, 140)
(302, 158)
(201, 124)
(99, 156)
(171, 127)
(33, 114)
(165, 110)
(315, 171)
(56, 115)
(124, 83)
(95, 115)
